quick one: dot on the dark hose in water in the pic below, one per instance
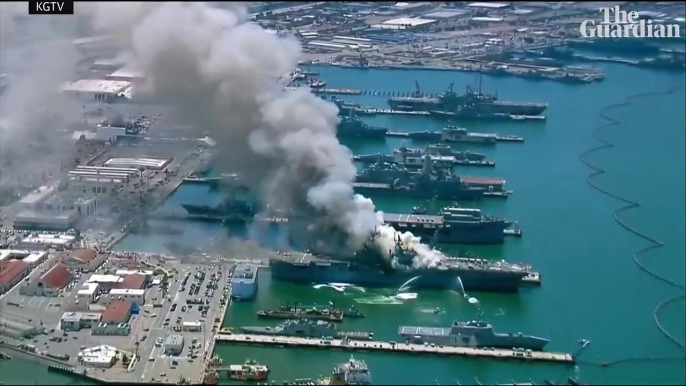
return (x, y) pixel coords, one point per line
(629, 204)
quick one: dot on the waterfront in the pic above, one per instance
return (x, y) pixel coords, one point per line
(592, 288)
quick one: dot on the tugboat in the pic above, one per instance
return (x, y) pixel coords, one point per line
(249, 371)
(210, 378)
(353, 313)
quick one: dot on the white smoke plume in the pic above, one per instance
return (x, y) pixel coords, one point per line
(220, 73)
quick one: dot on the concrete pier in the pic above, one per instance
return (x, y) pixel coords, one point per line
(528, 356)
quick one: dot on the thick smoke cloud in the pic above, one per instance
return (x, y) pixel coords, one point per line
(37, 55)
(220, 74)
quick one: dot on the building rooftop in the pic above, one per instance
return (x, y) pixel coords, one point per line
(488, 5)
(146, 162)
(445, 14)
(104, 279)
(134, 281)
(57, 277)
(21, 254)
(173, 340)
(117, 312)
(130, 72)
(408, 21)
(38, 195)
(88, 289)
(102, 86)
(42, 215)
(83, 255)
(9, 270)
(127, 291)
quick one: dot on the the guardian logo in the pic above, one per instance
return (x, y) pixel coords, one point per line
(51, 7)
(622, 24)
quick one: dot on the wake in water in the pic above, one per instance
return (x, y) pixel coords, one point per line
(340, 287)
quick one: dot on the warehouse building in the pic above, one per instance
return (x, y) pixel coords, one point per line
(116, 313)
(130, 73)
(49, 284)
(65, 202)
(102, 356)
(131, 296)
(87, 293)
(11, 273)
(45, 220)
(32, 258)
(18, 330)
(122, 329)
(106, 282)
(147, 163)
(35, 199)
(75, 321)
(173, 345)
(97, 89)
(84, 259)
(134, 281)
(45, 241)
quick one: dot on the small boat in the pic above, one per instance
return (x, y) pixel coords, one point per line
(353, 313)
(249, 371)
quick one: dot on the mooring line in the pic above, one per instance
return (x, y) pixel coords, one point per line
(597, 171)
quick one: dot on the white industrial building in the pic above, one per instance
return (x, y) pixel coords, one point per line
(409, 22)
(66, 202)
(173, 345)
(46, 240)
(97, 89)
(111, 329)
(130, 73)
(127, 295)
(102, 356)
(125, 272)
(35, 199)
(17, 330)
(83, 183)
(32, 258)
(45, 220)
(75, 321)
(106, 282)
(148, 163)
(485, 5)
(87, 293)
(108, 133)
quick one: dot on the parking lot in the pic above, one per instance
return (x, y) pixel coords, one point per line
(163, 314)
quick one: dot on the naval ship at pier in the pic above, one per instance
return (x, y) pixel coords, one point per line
(370, 268)
(471, 104)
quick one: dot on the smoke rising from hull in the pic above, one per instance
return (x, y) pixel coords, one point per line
(220, 73)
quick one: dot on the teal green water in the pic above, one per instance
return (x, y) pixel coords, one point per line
(592, 288)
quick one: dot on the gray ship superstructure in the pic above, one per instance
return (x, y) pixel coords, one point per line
(309, 329)
(476, 333)
(428, 183)
(452, 225)
(369, 267)
(413, 158)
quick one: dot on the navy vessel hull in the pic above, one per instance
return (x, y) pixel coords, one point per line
(475, 233)
(472, 280)
(419, 193)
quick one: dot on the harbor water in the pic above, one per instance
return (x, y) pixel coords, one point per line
(592, 288)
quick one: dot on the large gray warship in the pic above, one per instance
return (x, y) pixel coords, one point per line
(369, 267)
(475, 333)
(308, 328)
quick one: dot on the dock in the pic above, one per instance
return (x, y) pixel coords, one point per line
(438, 136)
(337, 91)
(408, 348)
(456, 162)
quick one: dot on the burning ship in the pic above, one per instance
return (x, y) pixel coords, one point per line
(369, 268)
(471, 104)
